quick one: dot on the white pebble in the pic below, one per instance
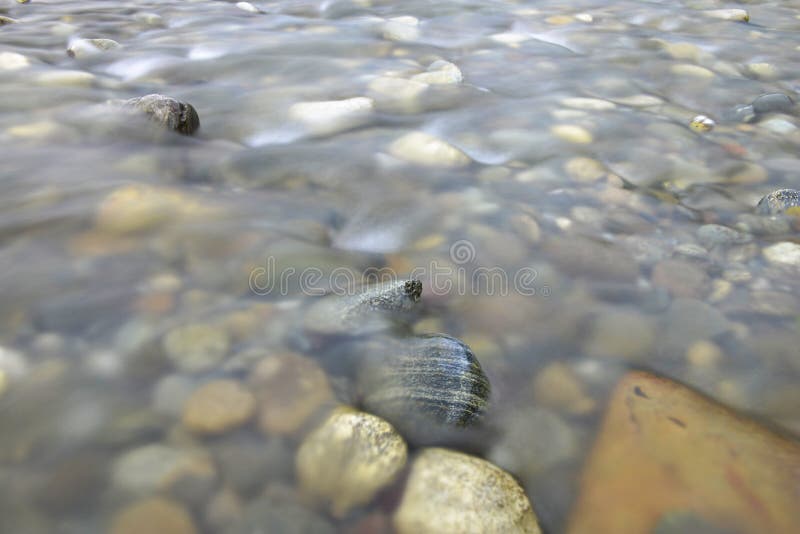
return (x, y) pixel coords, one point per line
(424, 149)
(784, 253)
(740, 15)
(247, 6)
(331, 116)
(401, 29)
(588, 104)
(13, 61)
(441, 73)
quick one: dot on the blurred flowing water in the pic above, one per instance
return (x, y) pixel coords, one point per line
(552, 198)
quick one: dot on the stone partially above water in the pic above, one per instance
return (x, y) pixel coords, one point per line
(778, 202)
(168, 112)
(451, 492)
(348, 459)
(664, 449)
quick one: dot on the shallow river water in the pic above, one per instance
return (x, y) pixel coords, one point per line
(532, 163)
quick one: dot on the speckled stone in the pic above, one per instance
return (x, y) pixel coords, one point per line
(348, 459)
(218, 407)
(170, 113)
(778, 202)
(451, 492)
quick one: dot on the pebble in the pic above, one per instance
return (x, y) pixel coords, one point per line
(197, 347)
(714, 235)
(785, 254)
(65, 78)
(571, 133)
(218, 407)
(38, 130)
(168, 112)
(585, 169)
(247, 6)
(155, 467)
(88, 47)
(397, 95)
(451, 492)
(775, 303)
(691, 71)
(739, 15)
(401, 29)
(557, 386)
(276, 514)
(778, 202)
(761, 71)
(588, 104)
(424, 149)
(703, 355)
(349, 459)
(13, 61)
(137, 208)
(289, 389)
(779, 126)
(13, 367)
(760, 225)
(247, 462)
(440, 72)
(333, 116)
(702, 124)
(773, 103)
(154, 515)
(7, 20)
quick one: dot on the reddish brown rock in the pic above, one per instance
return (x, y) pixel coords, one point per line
(664, 450)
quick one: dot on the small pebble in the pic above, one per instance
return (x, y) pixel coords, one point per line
(739, 15)
(451, 492)
(572, 134)
(196, 347)
(702, 124)
(558, 387)
(691, 71)
(289, 389)
(403, 29)
(328, 117)
(88, 47)
(247, 6)
(348, 459)
(218, 407)
(773, 103)
(424, 149)
(588, 104)
(156, 467)
(780, 201)
(7, 20)
(704, 354)
(761, 71)
(440, 73)
(153, 515)
(713, 235)
(13, 61)
(784, 253)
(168, 112)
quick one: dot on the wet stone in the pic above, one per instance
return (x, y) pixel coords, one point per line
(429, 151)
(168, 112)
(785, 253)
(196, 347)
(451, 492)
(589, 258)
(279, 515)
(713, 235)
(156, 467)
(289, 390)
(620, 335)
(248, 462)
(218, 407)
(348, 459)
(153, 515)
(88, 47)
(773, 103)
(779, 202)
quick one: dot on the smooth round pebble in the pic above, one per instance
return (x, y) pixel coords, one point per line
(349, 458)
(196, 347)
(13, 61)
(452, 492)
(217, 407)
(784, 253)
(157, 467)
(155, 516)
(702, 124)
(572, 134)
(424, 149)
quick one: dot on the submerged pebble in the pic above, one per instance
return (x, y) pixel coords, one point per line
(780, 201)
(154, 514)
(451, 492)
(168, 112)
(217, 407)
(88, 47)
(348, 459)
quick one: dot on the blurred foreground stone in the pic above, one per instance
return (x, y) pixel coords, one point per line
(666, 452)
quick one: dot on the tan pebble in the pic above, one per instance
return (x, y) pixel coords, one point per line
(557, 386)
(65, 78)
(424, 149)
(196, 347)
(36, 130)
(289, 389)
(686, 51)
(348, 459)
(154, 515)
(559, 20)
(704, 355)
(762, 71)
(13, 61)
(739, 15)
(217, 407)
(720, 289)
(451, 492)
(429, 242)
(640, 101)
(527, 228)
(3, 382)
(588, 104)
(572, 134)
(135, 208)
(585, 169)
(691, 71)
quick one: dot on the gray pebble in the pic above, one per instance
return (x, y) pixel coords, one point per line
(773, 103)
(778, 202)
(170, 113)
(713, 235)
